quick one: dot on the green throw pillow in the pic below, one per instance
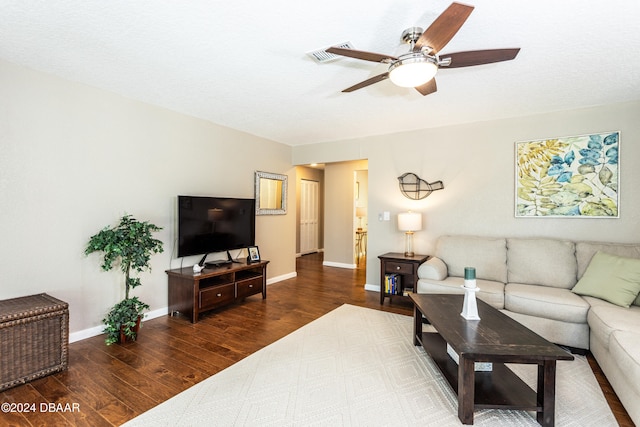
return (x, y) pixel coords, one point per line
(611, 278)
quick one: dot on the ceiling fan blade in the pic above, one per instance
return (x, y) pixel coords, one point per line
(372, 80)
(360, 54)
(444, 27)
(428, 87)
(479, 57)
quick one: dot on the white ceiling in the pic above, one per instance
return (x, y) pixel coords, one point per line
(243, 63)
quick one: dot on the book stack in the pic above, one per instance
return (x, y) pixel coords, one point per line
(392, 284)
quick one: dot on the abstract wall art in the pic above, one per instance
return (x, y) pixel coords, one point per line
(574, 177)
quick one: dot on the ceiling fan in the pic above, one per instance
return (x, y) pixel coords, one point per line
(418, 67)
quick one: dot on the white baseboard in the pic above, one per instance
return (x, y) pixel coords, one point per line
(97, 330)
(339, 265)
(299, 254)
(282, 277)
(370, 287)
(86, 333)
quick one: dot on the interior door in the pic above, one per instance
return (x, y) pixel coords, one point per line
(309, 213)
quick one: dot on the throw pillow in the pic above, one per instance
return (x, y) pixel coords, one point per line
(611, 278)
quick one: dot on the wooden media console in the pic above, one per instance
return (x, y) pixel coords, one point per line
(194, 293)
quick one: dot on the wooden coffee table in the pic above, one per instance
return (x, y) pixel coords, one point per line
(495, 338)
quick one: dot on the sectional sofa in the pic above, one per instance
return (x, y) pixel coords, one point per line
(583, 295)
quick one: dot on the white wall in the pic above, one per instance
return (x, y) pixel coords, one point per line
(476, 163)
(74, 158)
(339, 213)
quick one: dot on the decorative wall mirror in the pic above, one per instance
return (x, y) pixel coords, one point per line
(271, 193)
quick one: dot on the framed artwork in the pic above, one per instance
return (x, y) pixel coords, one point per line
(254, 254)
(574, 176)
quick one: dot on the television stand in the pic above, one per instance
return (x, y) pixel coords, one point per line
(194, 293)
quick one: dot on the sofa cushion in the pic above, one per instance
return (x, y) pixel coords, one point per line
(547, 302)
(624, 347)
(611, 278)
(544, 262)
(605, 318)
(488, 255)
(558, 332)
(490, 292)
(434, 269)
(586, 250)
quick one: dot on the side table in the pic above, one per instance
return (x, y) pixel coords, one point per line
(405, 267)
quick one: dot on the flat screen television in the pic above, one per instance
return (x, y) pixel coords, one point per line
(214, 224)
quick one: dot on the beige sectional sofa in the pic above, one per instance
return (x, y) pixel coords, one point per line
(532, 280)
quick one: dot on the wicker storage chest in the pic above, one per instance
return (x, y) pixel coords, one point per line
(34, 338)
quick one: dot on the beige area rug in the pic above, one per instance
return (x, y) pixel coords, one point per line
(358, 367)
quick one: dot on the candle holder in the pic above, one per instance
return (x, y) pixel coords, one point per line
(470, 306)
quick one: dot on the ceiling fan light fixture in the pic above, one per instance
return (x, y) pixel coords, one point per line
(413, 69)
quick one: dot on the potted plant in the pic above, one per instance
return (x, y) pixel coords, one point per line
(128, 245)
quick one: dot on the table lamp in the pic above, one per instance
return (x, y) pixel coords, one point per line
(409, 222)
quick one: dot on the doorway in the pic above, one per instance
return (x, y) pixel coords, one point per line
(361, 177)
(309, 216)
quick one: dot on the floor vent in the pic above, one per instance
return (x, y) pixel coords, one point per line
(321, 56)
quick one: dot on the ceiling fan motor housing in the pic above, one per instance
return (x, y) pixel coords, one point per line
(411, 35)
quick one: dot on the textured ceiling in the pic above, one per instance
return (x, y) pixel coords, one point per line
(243, 63)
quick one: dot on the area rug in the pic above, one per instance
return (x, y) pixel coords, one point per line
(358, 367)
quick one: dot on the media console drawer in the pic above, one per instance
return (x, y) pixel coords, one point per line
(249, 287)
(216, 296)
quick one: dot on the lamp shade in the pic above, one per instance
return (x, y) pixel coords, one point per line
(409, 221)
(361, 212)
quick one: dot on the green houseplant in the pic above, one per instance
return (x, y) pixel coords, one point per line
(128, 245)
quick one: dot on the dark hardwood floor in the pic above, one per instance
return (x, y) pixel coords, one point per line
(107, 386)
